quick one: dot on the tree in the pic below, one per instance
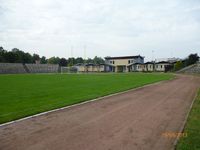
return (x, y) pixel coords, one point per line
(19, 55)
(79, 60)
(27, 58)
(63, 62)
(36, 57)
(43, 60)
(54, 60)
(1, 58)
(89, 60)
(15, 56)
(71, 61)
(178, 65)
(192, 59)
(2, 52)
(10, 57)
(98, 60)
(15, 50)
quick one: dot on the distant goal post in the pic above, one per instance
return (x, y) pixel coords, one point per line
(69, 70)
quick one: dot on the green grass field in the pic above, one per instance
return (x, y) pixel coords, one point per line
(192, 141)
(28, 94)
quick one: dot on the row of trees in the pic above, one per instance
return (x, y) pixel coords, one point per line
(19, 56)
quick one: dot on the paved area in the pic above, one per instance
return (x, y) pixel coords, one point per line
(135, 120)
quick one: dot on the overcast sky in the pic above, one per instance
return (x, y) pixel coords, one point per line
(104, 27)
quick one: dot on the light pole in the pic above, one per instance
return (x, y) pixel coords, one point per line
(153, 60)
(152, 55)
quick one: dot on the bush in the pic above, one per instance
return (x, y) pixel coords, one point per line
(178, 65)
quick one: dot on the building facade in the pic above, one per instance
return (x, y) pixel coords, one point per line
(149, 66)
(92, 67)
(122, 64)
(125, 64)
(161, 66)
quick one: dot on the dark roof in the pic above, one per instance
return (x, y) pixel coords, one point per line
(90, 64)
(138, 64)
(79, 64)
(104, 64)
(149, 63)
(163, 62)
(125, 57)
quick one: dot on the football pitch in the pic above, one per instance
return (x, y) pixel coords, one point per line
(28, 94)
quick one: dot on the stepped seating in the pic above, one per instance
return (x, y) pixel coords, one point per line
(42, 68)
(191, 69)
(11, 68)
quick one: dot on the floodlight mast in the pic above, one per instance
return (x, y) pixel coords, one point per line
(72, 54)
(152, 55)
(154, 61)
(84, 58)
(84, 54)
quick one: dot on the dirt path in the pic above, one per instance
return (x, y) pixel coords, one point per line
(134, 120)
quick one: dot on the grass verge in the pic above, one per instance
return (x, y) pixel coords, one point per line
(192, 128)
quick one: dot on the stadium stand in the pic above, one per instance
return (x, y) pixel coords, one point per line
(42, 68)
(16, 68)
(11, 68)
(195, 68)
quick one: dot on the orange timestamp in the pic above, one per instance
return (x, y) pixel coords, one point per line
(174, 134)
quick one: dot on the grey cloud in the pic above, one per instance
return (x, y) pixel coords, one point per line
(120, 27)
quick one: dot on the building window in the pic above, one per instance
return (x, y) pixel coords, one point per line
(160, 66)
(150, 66)
(129, 61)
(113, 62)
(110, 62)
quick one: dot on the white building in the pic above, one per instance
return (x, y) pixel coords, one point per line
(122, 64)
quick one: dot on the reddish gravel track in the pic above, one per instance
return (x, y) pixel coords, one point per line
(134, 120)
